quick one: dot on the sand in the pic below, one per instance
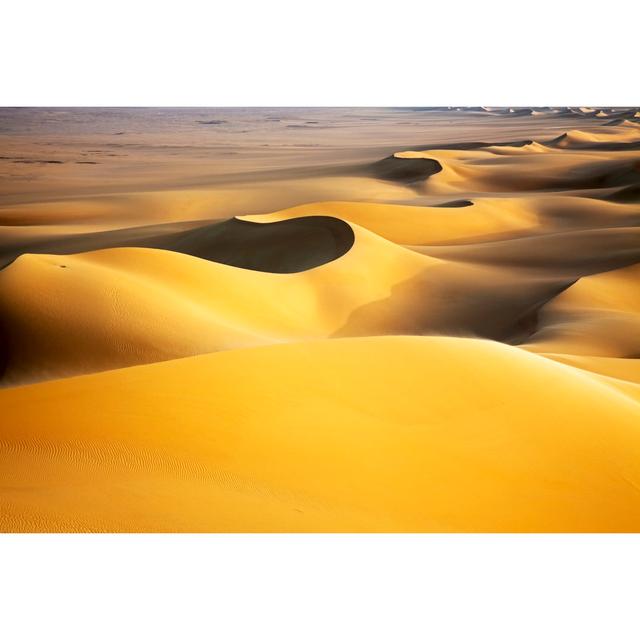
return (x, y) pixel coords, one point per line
(483, 437)
(321, 320)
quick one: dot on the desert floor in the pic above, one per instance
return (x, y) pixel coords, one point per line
(309, 320)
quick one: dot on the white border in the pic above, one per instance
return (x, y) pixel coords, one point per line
(524, 587)
(329, 53)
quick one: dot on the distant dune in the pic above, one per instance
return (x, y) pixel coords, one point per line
(526, 169)
(385, 320)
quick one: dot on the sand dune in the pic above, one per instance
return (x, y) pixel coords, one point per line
(618, 369)
(405, 224)
(484, 217)
(419, 320)
(626, 132)
(65, 315)
(576, 159)
(629, 121)
(483, 171)
(385, 434)
(598, 315)
(570, 254)
(626, 194)
(117, 307)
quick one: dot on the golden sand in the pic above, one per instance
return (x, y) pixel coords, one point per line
(384, 434)
(435, 339)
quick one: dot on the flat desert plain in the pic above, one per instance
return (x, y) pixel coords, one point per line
(320, 320)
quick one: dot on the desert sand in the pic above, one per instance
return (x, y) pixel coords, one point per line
(320, 320)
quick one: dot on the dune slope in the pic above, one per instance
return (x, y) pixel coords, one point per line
(65, 315)
(599, 315)
(381, 434)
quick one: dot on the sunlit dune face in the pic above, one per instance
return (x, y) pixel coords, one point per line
(320, 320)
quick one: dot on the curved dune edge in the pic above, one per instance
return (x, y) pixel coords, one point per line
(625, 132)
(398, 169)
(623, 373)
(380, 434)
(577, 159)
(484, 218)
(597, 316)
(415, 225)
(490, 171)
(66, 315)
(569, 253)
(286, 246)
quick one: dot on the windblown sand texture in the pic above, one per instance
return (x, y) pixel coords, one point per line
(310, 320)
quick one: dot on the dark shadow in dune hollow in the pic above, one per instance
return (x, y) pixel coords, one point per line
(287, 246)
(404, 169)
(435, 304)
(567, 254)
(626, 195)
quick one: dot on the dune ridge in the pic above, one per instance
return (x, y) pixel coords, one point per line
(431, 325)
(599, 315)
(118, 307)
